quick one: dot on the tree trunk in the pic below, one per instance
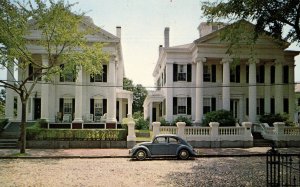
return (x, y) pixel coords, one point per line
(23, 127)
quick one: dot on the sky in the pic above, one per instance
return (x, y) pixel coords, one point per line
(143, 23)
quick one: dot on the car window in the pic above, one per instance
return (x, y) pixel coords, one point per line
(173, 140)
(161, 140)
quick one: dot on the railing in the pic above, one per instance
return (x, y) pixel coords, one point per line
(282, 169)
(197, 131)
(281, 133)
(213, 133)
(168, 130)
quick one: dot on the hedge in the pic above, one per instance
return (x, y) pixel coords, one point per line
(76, 134)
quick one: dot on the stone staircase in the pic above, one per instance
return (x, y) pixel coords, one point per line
(9, 136)
(259, 141)
(8, 143)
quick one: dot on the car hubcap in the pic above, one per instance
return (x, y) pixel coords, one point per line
(183, 154)
(141, 154)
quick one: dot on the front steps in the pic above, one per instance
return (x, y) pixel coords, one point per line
(8, 143)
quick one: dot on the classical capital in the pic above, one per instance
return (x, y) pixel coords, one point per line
(200, 59)
(226, 60)
(253, 60)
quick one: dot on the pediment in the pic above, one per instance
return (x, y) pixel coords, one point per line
(263, 39)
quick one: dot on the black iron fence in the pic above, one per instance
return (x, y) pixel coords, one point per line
(283, 169)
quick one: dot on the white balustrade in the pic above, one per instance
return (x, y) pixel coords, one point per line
(168, 130)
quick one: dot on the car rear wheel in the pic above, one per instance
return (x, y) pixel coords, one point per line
(141, 154)
(183, 154)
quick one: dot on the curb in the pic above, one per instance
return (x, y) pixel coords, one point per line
(99, 157)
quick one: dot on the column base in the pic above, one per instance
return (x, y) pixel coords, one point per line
(77, 124)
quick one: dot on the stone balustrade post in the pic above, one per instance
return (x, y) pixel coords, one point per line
(214, 136)
(131, 132)
(279, 130)
(180, 129)
(156, 126)
(248, 135)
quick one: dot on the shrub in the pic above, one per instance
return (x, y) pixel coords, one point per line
(185, 119)
(35, 133)
(163, 122)
(223, 117)
(272, 118)
(140, 122)
(41, 123)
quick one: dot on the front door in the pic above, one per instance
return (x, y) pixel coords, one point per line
(234, 108)
(37, 108)
(153, 114)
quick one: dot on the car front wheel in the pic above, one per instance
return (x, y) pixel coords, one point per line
(141, 155)
(183, 154)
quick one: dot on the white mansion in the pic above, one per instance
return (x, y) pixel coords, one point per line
(66, 100)
(200, 77)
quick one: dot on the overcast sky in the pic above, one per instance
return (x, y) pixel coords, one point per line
(143, 23)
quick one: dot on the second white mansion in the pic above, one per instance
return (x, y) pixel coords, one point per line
(200, 77)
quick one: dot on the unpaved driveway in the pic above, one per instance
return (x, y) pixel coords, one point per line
(240, 171)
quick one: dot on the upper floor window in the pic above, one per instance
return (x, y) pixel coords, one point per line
(272, 74)
(235, 74)
(182, 72)
(100, 77)
(34, 72)
(67, 76)
(260, 106)
(260, 74)
(285, 78)
(209, 73)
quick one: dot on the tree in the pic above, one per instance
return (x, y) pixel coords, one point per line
(61, 38)
(2, 102)
(267, 15)
(139, 94)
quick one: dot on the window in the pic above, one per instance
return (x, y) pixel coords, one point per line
(272, 103)
(209, 73)
(235, 74)
(165, 76)
(206, 73)
(285, 74)
(181, 108)
(260, 109)
(286, 105)
(206, 105)
(15, 106)
(67, 106)
(100, 77)
(247, 74)
(247, 106)
(272, 74)
(173, 140)
(298, 101)
(181, 73)
(34, 72)
(161, 140)
(260, 74)
(98, 107)
(67, 76)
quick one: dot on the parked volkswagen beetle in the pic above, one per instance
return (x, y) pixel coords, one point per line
(164, 145)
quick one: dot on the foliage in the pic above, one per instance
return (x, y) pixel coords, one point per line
(268, 15)
(62, 39)
(223, 117)
(35, 133)
(3, 122)
(41, 123)
(2, 102)
(140, 122)
(272, 118)
(185, 119)
(163, 122)
(139, 94)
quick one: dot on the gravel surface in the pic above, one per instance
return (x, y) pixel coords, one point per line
(238, 171)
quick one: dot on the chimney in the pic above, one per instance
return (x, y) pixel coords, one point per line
(118, 31)
(159, 49)
(167, 37)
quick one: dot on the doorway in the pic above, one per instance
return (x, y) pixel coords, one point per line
(153, 114)
(234, 108)
(37, 108)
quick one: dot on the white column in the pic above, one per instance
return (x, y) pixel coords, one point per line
(252, 90)
(45, 93)
(130, 101)
(278, 86)
(79, 97)
(169, 93)
(150, 114)
(226, 83)
(291, 93)
(9, 101)
(111, 99)
(199, 89)
(267, 88)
